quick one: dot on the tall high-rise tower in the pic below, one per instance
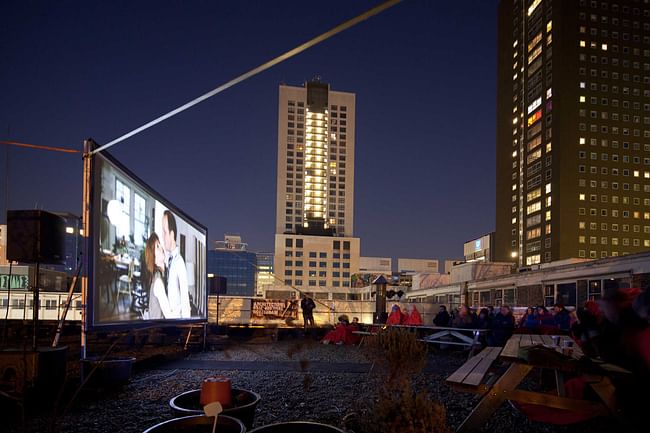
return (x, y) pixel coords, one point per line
(315, 186)
(573, 129)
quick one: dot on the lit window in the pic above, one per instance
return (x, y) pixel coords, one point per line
(535, 117)
(548, 215)
(549, 26)
(536, 103)
(548, 188)
(533, 6)
(549, 93)
(583, 44)
(533, 194)
(581, 197)
(582, 98)
(534, 207)
(603, 47)
(533, 260)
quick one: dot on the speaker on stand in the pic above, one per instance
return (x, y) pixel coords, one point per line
(35, 236)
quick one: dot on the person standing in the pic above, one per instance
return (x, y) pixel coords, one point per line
(307, 306)
(177, 288)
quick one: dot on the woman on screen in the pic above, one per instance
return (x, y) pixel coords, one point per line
(154, 256)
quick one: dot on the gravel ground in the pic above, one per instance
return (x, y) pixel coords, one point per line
(286, 396)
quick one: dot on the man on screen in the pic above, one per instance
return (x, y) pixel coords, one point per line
(177, 290)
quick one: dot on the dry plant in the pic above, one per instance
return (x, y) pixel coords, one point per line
(397, 407)
(403, 410)
(398, 352)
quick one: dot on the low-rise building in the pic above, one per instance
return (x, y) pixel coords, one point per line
(570, 282)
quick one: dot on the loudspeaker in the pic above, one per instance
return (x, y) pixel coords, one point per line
(218, 285)
(35, 236)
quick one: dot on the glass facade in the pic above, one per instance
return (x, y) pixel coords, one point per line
(238, 267)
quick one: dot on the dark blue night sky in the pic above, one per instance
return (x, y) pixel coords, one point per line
(424, 73)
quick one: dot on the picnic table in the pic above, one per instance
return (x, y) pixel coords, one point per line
(476, 375)
(363, 335)
(468, 337)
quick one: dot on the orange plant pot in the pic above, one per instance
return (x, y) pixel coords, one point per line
(216, 388)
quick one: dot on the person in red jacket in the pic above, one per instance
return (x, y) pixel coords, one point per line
(413, 316)
(396, 317)
(340, 334)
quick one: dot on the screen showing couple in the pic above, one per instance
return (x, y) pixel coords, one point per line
(149, 258)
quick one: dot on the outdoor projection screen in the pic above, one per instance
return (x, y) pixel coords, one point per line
(148, 258)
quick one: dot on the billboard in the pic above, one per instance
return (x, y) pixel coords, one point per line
(148, 258)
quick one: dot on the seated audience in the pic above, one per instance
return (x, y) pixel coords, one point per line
(464, 318)
(503, 326)
(413, 316)
(625, 340)
(484, 321)
(529, 320)
(546, 321)
(561, 318)
(586, 331)
(442, 317)
(396, 317)
(340, 334)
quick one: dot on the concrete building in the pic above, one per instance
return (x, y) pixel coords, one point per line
(573, 130)
(417, 265)
(314, 247)
(316, 263)
(315, 183)
(479, 248)
(376, 265)
(571, 282)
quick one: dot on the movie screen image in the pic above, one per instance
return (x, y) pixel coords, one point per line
(149, 258)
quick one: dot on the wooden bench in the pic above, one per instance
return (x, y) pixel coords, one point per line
(470, 376)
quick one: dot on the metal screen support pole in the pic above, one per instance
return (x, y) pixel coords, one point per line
(36, 307)
(59, 328)
(89, 146)
(187, 340)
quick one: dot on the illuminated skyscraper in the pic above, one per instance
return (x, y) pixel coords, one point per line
(315, 186)
(315, 189)
(573, 129)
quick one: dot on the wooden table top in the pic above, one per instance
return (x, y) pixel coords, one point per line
(511, 349)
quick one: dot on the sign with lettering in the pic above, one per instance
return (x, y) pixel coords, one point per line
(269, 309)
(17, 281)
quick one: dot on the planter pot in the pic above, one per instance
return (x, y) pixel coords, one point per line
(39, 373)
(112, 372)
(244, 404)
(297, 427)
(198, 424)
